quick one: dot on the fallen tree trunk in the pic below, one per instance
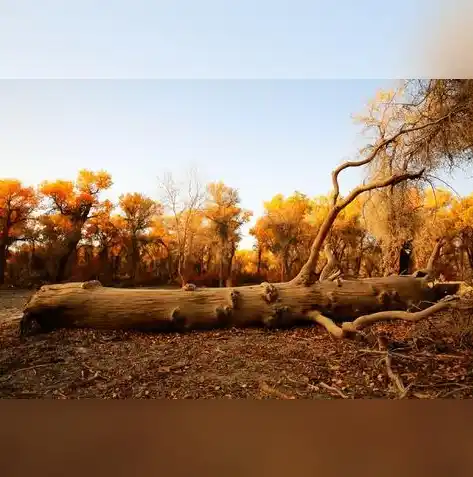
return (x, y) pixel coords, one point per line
(89, 305)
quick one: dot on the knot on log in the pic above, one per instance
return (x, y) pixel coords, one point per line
(278, 317)
(331, 300)
(28, 324)
(235, 298)
(270, 292)
(91, 284)
(178, 320)
(388, 297)
(189, 287)
(223, 314)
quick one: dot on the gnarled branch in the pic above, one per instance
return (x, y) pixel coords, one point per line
(351, 327)
(303, 277)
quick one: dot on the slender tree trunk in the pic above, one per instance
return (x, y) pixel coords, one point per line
(221, 264)
(104, 263)
(64, 260)
(258, 266)
(135, 257)
(359, 259)
(469, 252)
(180, 269)
(462, 262)
(3, 261)
(230, 261)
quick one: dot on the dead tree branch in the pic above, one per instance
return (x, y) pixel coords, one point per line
(428, 272)
(304, 276)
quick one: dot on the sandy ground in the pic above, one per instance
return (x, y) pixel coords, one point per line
(433, 359)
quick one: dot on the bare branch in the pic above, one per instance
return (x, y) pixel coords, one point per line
(366, 320)
(390, 181)
(394, 377)
(428, 272)
(308, 268)
(381, 145)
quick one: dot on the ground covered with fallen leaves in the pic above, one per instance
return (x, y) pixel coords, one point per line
(430, 359)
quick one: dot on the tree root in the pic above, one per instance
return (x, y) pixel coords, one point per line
(353, 327)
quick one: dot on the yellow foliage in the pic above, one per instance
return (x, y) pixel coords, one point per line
(224, 213)
(17, 203)
(69, 198)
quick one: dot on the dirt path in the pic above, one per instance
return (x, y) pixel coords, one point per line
(434, 359)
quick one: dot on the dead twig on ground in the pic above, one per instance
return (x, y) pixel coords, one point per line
(42, 365)
(270, 390)
(392, 353)
(460, 387)
(333, 389)
(394, 377)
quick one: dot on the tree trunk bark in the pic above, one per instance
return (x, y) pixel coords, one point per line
(3, 261)
(64, 260)
(89, 305)
(221, 264)
(230, 260)
(135, 256)
(258, 265)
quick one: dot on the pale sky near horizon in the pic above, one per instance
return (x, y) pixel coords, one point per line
(262, 136)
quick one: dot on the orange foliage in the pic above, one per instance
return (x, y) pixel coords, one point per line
(134, 237)
(283, 228)
(76, 199)
(17, 203)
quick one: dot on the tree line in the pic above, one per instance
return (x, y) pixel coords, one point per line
(62, 230)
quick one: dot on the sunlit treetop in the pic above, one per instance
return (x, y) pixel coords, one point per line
(17, 203)
(138, 211)
(76, 198)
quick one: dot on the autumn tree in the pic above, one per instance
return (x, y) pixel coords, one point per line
(106, 232)
(159, 246)
(183, 202)
(348, 235)
(139, 212)
(422, 125)
(17, 204)
(393, 216)
(282, 227)
(71, 204)
(226, 218)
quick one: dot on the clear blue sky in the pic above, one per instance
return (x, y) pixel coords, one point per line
(262, 136)
(214, 38)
